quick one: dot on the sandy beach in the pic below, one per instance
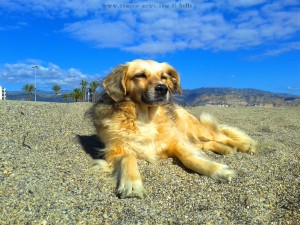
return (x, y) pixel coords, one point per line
(47, 175)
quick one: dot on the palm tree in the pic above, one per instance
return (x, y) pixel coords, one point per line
(29, 88)
(76, 94)
(93, 86)
(56, 89)
(83, 84)
(65, 97)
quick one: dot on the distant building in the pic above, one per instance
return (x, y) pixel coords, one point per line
(2, 93)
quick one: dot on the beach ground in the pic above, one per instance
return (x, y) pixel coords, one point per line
(47, 177)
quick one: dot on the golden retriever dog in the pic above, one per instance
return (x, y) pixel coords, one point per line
(136, 119)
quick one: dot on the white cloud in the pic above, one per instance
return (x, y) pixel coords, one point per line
(47, 75)
(103, 34)
(212, 27)
(220, 25)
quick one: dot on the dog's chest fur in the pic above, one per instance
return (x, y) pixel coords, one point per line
(145, 142)
(143, 138)
(150, 138)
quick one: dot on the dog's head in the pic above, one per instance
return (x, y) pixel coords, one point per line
(143, 81)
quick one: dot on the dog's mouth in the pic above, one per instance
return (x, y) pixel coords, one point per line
(158, 96)
(155, 100)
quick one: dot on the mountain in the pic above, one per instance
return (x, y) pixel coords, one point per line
(235, 97)
(198, 97)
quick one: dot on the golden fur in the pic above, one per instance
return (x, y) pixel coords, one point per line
(136, 119)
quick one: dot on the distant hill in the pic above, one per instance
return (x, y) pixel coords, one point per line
(235, 97)
(198, 97)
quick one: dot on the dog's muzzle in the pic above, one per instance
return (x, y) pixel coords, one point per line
(159, 95)
(161, 89)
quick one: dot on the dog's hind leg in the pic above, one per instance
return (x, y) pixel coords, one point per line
(224, 135)
(216, 147)
(236, 138)
(199, 164)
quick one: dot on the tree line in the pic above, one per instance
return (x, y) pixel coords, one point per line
(76, 95)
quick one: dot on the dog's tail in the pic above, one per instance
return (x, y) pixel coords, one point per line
(209, 121)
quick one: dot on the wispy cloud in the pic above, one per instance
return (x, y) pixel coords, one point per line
(148, 27)
(54, 8)
(47, 75)
(283, 48)
(245, 3)
(293, 88)
(17, 26)
(276, 49)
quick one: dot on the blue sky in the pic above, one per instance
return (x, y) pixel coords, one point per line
(225, 43)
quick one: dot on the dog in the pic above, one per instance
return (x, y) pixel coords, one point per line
(135, 119)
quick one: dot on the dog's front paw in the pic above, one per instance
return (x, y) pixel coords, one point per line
(127, 189)
(252, 148)
(224, 174)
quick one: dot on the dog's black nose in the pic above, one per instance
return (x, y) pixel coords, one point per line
(161, 89)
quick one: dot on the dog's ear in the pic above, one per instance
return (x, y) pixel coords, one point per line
(175, 79)
(114, 83)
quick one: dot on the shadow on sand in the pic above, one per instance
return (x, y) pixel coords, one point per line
(92, 146)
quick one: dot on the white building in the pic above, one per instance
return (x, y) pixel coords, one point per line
(2, 93)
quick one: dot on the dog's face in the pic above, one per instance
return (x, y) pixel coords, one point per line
(143, 81)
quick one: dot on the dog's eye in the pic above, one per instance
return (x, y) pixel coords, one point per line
(140, 75)
(164, 77)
